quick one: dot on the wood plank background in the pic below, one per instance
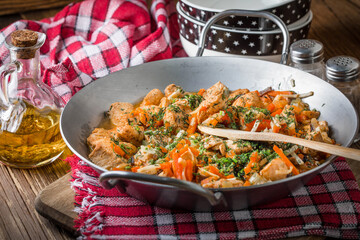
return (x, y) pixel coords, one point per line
(336, 24)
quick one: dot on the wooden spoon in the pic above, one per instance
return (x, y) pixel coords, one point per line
(276, 137)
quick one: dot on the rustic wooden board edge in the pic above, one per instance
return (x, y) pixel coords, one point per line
(58, 207)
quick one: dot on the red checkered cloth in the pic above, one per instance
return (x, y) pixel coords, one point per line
(329, 205)
(91, 39)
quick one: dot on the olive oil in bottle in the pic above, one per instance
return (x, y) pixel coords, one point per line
(36, 141)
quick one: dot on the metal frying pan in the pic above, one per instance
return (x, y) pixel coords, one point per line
(86, 109)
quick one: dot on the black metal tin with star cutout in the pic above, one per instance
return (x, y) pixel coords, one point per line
(232, 41)
(289, 13)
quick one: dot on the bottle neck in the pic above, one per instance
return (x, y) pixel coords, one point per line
(30, 66)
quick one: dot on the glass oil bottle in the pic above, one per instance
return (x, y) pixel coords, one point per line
(29, 109)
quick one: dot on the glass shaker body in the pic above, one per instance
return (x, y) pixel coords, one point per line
(307, 55)
(29, 110)
(343, 73)
(317, 69)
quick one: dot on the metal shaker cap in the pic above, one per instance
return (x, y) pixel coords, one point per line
(306, 51)
(342, 69)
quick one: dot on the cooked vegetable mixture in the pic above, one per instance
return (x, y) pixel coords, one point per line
(160, 136)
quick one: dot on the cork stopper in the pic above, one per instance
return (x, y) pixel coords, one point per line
(23, 39)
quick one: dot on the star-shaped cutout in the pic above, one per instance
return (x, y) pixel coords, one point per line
(245, 37)
(252, 44)
(240, 23)
(258, 52)
(268, 44)
(220, 40)
(214, 32)
(227, 34)
(236, 43)
(253, 23)
(214, 47)
(244, 51)
(277, 36)
(261, 38)
(226, 23)
(227, 49)
(191, 31)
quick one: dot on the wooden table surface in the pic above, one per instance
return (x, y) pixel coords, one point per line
(336, 24)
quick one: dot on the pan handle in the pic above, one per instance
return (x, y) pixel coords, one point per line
(227, 13)
(108, 180)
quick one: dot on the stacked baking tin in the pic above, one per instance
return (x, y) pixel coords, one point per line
(242, 35)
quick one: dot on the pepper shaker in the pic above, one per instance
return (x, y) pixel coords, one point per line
(343, 73)
(308, 55)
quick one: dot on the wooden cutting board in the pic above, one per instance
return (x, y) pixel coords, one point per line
(56, 203)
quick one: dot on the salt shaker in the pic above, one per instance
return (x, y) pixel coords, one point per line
(343, 73)
(308, 55)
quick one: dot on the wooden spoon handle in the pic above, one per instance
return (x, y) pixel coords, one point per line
(275, 137)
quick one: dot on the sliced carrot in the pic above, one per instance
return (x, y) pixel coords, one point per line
(253, 159)
(276, 112)
(134, 169)
(288, 163)
(194, 151)
(230, 176)
(165, 165)
(271, 107)
(264, 124)
(214, 170)
(164, 150)
(193, 124)
(201, 91)
(297, 110)
(276, 129)
(247, 183)
(189, 170)
(250, 125)
(230, 154)
(275, 93)
(213, 122)
(117, 149)
(177, 169)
